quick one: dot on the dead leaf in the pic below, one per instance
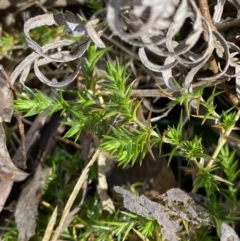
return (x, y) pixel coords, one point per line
(8, 171)
(148, 209)
(74, 24)
(27, 206)
(192, 212)
(5, 188)
(176, 206)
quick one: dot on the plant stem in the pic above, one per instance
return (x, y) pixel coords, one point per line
(203, 5)
(194, 190)
(73, 195)
(223, 140)
(204, 8)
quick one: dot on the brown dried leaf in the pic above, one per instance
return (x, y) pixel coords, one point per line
(27, 206)
(8, 171)
(5, 188)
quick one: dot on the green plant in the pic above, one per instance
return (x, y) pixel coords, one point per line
(108, 111)
(96, 107)
(104, 107)
(92, 108)
(160, 54)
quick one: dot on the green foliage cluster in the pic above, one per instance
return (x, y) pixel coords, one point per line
(109, 112)
(92, 108)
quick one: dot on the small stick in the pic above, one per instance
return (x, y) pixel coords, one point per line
(204, 8)
(203, 5)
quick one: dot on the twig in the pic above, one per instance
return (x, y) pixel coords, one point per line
(165, 114)
(72, 214)
(204, 8)
(225, 25)
(74, 195)
(68, 142)
(50, 226)
(223, 140)
(203, 5)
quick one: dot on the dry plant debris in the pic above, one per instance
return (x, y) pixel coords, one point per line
(228, 234)
(27, 205)
(152, 29)
(8, 171)
(177, 205)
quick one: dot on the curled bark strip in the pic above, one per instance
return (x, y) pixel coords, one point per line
(93, 34)
(193, 58)
(24, 67)
(233, 61)
(178, 21)
(154, 67)
(54, 83)
(227, 56)
(184, 47)
(49, 19)
(237, 70)
(74, 26)
(160, 26)
(114, 10)
(167, 75)
(156, 12)
(162, 43)
(218, 10)
(194, 70)
(165, 46)
(226, 24)
(158, 50)
(42, 20)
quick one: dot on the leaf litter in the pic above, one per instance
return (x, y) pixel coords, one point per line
(8, 171)
(27, 206)
(174, 206)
